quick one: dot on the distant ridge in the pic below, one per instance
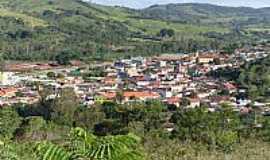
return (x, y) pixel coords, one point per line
(42, 29)
(203, 12)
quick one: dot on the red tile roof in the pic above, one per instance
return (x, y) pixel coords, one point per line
(108, 95)
(109, 80)
(173, 100)
(229, 86)
(6, 91)
(142, 94)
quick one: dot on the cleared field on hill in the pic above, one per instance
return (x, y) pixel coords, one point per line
(31, 21)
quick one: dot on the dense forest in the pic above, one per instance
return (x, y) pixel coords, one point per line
(255, 77)
(43, 29)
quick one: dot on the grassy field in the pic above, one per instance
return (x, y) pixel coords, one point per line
(154, 26)
(30, 21)
(173, 150)
(151, 26)
(258, 28)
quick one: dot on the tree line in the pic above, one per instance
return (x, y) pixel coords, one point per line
(62, 128)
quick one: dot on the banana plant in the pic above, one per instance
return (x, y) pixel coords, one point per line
(50, 151)
(86, 146)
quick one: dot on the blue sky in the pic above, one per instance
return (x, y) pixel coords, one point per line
(146, 3)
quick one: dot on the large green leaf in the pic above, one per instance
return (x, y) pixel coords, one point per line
(108, 147)
(49, 151)
(86, 146)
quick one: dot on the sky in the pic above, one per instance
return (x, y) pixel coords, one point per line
(145, 3)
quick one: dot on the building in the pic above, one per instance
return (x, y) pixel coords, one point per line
(205, 58)
(7, 78)
(140, 95)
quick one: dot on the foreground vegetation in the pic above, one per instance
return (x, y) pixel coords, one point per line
(58, 129)
(63, 129)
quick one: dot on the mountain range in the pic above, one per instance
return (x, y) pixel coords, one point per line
(41, 29)
(206, 13)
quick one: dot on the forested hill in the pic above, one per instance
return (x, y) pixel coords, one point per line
(43, 29)
(206, 13)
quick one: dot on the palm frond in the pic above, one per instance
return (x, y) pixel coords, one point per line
(107, 148)
(81, 134)
(49, 151)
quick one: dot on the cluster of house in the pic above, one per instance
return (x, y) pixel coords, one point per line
(175, 79)
(12, 95)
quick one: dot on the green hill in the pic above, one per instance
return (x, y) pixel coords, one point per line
(205, 13)
(41, 29)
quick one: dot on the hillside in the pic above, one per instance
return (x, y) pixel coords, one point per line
(206, 13)
(42, 29)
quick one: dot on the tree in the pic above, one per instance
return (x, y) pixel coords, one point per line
(60, 76)
(119, 96)
(51, 75)
(162, 33)
(264, 133)
(185, 102)
(166, 32)
(109, 108)
(199, 125)
(88, 117)
(228, 119)
(230, 48)
(64, 57)
(2, 63)
(64, 107)
(192, 124)
(170, 32)
(9, 122)
(110, 127)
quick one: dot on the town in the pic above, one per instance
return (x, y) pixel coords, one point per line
(175, 79)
